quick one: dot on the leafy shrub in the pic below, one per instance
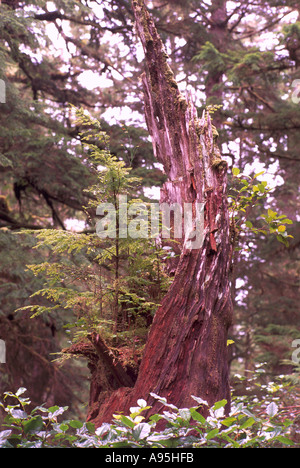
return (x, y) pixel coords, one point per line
(185, 427)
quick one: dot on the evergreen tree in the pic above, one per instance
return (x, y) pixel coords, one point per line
(108, 282)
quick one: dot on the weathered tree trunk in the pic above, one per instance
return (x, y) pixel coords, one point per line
(186, 351)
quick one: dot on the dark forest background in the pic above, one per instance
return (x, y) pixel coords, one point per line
(243, 58)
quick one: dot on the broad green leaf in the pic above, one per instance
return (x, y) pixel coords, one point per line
(156, 417)
(197, 416)
(4, 436)
(34, 424)
(199, 400)
(75, 424)
(157, 397)
(258, 174)
(18, 414)
(20, 391)
(138, 419)
(117, 417)
(185, 414)
(248, 413)
(134, 411)
(141, 431)
(127, 422)
(285, 440)
(272, 214)
(229, 421)
(235, 171)
(219, 404)
(56, 411)
(90, 427)
(248, 423)
(272, 409)
(281, 228)
(286, 221)
(64, 427)
(52, 409)
(212, 433)
(142, 403)
(282, 240)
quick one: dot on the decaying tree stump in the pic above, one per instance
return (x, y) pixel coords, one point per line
(186, 350)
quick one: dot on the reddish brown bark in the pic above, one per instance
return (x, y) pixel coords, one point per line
(186, 351)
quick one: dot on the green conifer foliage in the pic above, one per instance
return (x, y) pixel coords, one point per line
(108, 284)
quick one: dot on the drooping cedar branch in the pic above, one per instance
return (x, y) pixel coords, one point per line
(186, 348)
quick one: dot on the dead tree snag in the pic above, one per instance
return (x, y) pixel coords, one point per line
(186, 351)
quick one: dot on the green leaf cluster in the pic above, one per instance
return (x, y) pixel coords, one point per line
(245, 194)
(109, 285)
(243, 427)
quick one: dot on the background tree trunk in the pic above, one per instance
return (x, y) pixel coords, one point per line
(186, 351)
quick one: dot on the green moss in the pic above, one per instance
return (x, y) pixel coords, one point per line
(216, 159)
(219, 164)
(182, 102)
(214, 132)
(169, 75)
